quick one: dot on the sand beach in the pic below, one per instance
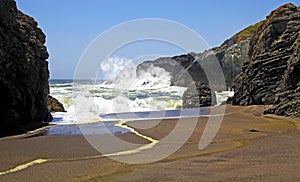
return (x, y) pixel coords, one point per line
(249, 146)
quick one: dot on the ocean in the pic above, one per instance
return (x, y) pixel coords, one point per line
(101, 105)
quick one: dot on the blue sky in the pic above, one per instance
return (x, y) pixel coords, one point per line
(71, 25)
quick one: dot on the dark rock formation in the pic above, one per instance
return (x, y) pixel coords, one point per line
(286, 103)
(232, 54)
(175, 65)
(231, 58)
(199, 95)
(54, 105)
(272, 76)
(187, 69)
(23, 72)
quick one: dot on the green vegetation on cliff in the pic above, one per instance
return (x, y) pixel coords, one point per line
(243, 35)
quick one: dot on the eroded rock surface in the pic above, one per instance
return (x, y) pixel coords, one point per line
(272, 75)
(23, 72)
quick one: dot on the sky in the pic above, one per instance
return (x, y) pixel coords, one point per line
(71, 25)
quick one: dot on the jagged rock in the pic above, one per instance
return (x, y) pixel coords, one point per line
(198, 95)
(23, 72)
(54, 105)
(272, 75)
(286, 103)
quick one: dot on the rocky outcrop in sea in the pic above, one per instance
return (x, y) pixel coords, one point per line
(199, 95)
(54, 105)
(272, 76)
(23, 72)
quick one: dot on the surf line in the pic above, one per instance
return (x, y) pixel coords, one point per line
(121, 123)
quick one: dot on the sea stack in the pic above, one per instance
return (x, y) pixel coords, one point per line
(272, 76)
(23, 72)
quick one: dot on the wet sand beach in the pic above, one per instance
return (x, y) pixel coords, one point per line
(249, 146)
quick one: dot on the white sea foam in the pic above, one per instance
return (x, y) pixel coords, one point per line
(223, 96)
(125, 92)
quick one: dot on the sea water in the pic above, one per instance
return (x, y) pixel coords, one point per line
(100, 105)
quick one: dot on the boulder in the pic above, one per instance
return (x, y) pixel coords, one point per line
(198, 95)
(23, 72)
(54, 105)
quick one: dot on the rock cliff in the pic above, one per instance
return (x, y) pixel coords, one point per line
(272, 75)
(232, 54)
(185, 71)
(23, 71)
